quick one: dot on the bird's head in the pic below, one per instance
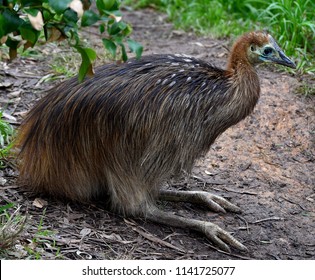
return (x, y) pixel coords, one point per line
(257, 47)
(262, 47)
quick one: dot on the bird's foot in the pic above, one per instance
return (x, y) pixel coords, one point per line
(213, 202)
(219, 237)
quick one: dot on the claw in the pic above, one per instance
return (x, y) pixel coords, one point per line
(213, 202)
(214, 233)
(228, 238)
(221, 238)
(222, 203)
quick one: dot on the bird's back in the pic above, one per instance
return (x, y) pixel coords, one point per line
(125, 130)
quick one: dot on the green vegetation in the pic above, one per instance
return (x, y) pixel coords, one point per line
(6, 134)
(24, 23)
(42, 240)
(64, 64)
(292, 21)
(11, 225)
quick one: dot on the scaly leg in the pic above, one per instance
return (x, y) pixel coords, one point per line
(214, 233)
(213, 202)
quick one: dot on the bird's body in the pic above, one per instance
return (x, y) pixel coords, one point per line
(131, 127)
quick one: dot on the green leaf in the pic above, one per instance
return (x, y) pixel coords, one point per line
(70, 16)
(30, 3)
(123, 52)
(105, 5)
(100, 6)
(108, 4)
(87, 55)
(114, 29)
(6, 207)
(122, 25)
(2, 24)
(32, 12)
(59, 5)
(110, 46)
(12, 44)
(135, 47)
(10, 22)
(91, 54)
(102, 28)
(89, 18)
(29, 33)
(127, 30)
(47, 15)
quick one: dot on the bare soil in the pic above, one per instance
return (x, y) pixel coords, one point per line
(265, 164)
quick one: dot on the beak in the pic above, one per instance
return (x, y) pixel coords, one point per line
(281, 58)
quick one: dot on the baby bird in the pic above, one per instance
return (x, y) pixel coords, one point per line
(131, 127)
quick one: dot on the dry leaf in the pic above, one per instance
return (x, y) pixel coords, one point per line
(85, 231)
(84, 255)
(198, 44)
(116, 18)
(8, 116)
(6, 84)
(39, 203)
(117, 238)
(3, 40)
(37, 21)
(2, 181)
(54, 34)
(220, 55)
(77, 6)
(14, 94)
(90, 72)
(27, 45)
(12, 53)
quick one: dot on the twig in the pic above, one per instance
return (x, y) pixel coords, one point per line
(268, 219)
(274, 256)
(246, 223)
(288, 200)
(153, 238)
(9, 187)
(59, 240)
(102, 243)
(22, 76)
(158, 240)
(229, 254)
(218, 182)
(310, 198)
(241, 192)
(212, 182)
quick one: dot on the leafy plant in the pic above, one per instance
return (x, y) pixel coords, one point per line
(6, 134)
(11, 225)
(36, 248)
(24, 22)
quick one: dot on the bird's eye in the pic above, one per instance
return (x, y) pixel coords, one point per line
(268, 51)
(252, 48)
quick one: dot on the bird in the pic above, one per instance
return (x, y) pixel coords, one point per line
(120, 135)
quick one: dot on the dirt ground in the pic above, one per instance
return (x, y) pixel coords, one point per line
(265, 164)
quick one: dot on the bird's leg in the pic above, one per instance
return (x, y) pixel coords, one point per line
(214, 233)
(213, 202)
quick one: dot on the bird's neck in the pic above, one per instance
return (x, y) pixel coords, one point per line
(245, 86)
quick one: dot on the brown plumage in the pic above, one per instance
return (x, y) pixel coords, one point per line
(131, 127)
